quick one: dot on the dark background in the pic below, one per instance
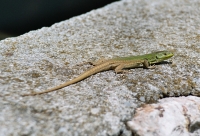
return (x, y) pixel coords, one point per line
(21, 16)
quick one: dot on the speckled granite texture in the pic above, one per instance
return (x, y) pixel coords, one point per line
(102, 103)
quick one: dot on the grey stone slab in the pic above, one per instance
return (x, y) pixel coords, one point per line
(102, 103)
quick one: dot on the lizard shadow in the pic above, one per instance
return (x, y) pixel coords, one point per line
(159, 63)
(163, 63)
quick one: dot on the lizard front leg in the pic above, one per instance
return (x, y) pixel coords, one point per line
(146, 64)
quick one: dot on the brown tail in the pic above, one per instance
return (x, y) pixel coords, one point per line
(77, 79)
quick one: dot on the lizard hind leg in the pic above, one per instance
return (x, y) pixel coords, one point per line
(100, 61)
(119, 69)
(95, 63)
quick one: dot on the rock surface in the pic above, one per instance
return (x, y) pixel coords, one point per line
(102, 103)
(169, 117)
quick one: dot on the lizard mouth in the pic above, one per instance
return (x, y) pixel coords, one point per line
(169, 55)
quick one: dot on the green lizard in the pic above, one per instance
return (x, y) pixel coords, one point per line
(118, 64)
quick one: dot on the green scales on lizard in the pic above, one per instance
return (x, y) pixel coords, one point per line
(118, 64)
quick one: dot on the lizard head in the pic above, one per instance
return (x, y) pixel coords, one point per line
(164, 55)
(160, 56)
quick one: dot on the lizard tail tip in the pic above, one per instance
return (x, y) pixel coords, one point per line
(23, 95)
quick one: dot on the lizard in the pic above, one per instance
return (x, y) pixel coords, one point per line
(118, 64)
